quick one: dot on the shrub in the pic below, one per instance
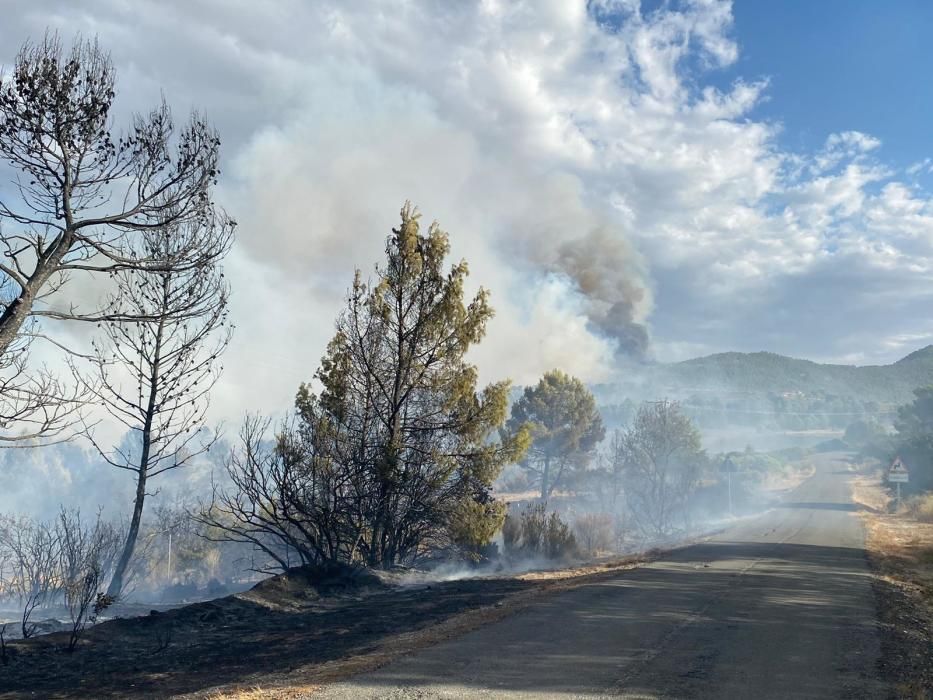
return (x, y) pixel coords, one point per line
(535, 533)
(559, 542)
(473, 524)
(534, 527)
(594, 532)
(921, 507)
(511, 534)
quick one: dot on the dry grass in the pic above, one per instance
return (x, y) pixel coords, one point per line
(921, 507)
(900, 548)
(899, 543)
(867, 491)
(259, 693)
(612, 565)
(788, 478)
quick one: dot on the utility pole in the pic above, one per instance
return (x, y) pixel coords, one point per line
(729, 479)
(729, 467)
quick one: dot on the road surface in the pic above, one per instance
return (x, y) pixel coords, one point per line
(779, 606)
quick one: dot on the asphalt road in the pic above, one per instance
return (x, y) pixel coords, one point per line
(778, 606)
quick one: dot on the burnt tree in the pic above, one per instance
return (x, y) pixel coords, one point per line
(83, 197)
(154, 374)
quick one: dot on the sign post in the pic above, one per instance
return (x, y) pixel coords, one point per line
(729, 467)
(898, 474)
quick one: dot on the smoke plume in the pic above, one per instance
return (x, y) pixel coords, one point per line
(605, 271)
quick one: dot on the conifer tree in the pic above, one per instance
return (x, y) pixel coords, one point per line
(565, 428)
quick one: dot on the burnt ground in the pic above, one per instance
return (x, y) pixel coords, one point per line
(294, 631)
(873, 641)
(906, 662)
(900, 554)
(229, 639)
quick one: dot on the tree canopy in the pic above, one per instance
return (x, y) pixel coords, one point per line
(397, 454)
(914, 439)
(662, 456)
(565, 426)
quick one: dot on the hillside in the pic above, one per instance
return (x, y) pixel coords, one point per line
(769, 373)
(757, 388)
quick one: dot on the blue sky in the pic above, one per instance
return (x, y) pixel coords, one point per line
(837, 65)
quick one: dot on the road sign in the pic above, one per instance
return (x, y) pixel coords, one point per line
(897, 472)
(729, 466)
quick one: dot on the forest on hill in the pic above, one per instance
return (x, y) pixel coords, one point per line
(771, 390)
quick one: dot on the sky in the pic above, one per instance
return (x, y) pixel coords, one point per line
(651, 181)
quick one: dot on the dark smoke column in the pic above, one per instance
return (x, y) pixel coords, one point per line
(607, 273)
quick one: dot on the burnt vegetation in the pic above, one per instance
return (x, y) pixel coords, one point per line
(393, 456)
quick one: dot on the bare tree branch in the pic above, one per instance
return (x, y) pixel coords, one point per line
(86, 202)
(154, 374)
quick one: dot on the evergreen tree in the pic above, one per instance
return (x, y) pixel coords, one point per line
(565, 427)
(914, 439)
(663, 458)
(404, 405)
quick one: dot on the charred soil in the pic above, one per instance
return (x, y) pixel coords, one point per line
(305, 626)
(900, 551)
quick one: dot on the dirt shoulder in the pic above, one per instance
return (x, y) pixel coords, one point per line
(277, 644)
(900, 551)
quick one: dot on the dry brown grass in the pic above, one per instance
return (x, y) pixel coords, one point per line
(867, 491)
(900, 545)
(789, 478)
(900, 548)
(921, 507)
(268, 693)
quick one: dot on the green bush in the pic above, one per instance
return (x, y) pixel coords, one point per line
(536, 533)
(472, 526)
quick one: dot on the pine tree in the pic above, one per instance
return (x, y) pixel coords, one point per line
(405, 405)
(565, 428)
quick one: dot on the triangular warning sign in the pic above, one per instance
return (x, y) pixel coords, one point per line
(898, 466)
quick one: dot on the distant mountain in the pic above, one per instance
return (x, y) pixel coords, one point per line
(769, 373)
(731, 384)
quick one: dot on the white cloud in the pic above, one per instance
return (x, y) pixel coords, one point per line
(524, 128)
(921, 166)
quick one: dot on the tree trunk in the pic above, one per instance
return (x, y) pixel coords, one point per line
(18, 310)
(545, 476)
(116, 583)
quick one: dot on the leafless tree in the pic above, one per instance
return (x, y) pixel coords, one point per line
(288, 497)
(35, 550)
(87, 556)
(154, 374)
(594, 532)
(84, 198)
(36, 407)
